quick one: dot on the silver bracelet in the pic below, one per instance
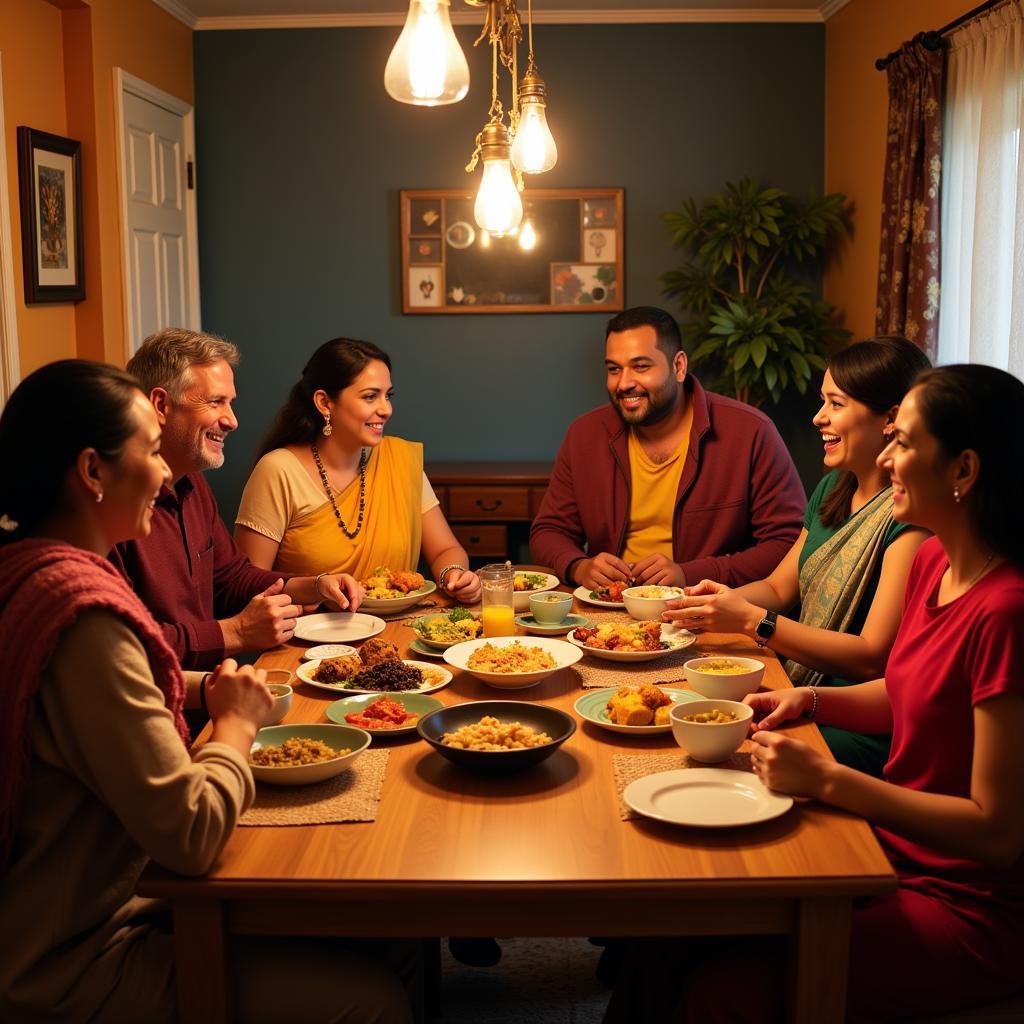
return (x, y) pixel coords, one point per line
(443, 574)
(814, 703)
(316, 584)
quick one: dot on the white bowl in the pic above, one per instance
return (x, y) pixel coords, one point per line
(282, 694)
(644, 608)
(724, 686)
(710, 742)
(340, 737)
(398, 604)
(521, 598)
(563, 654)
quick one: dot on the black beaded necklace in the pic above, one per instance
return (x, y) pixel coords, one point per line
(363, 459)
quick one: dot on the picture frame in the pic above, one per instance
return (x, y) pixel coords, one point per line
(50, 191)
(567, 256)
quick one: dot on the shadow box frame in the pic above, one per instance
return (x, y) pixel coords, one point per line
(43, 284)
(434, 240)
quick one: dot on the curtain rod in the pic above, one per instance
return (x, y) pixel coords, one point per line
(933, 40)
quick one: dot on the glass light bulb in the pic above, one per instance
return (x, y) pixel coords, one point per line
(498, 208)
(527, 236)
(534, 149)
(427, 66)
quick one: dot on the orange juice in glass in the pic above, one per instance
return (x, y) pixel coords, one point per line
(496, 596)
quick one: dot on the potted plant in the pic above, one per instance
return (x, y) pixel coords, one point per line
(750, 317)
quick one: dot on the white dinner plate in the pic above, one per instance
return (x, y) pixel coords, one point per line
(675, 637)
(306, 669)
(562, 654)
(337, 627)
(327, 651)
(705, 798)
(583, 594)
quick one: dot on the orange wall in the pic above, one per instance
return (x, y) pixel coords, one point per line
(58, 76)
(856, 112)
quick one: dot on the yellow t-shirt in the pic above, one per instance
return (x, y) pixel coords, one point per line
(653, 502)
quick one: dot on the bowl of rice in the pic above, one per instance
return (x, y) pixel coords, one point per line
(648, 602)
(496, 735)
(296, 755)
(512, 663)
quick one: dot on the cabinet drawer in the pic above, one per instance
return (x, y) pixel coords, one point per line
(485, 540)
(500, 503)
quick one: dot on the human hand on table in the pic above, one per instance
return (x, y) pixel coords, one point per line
(601, 570)
(775, 707)
(713, 606)
(242, 692)
(788, 765)
(657, 570)
(266, 621)
(342, 590)
(463, 585)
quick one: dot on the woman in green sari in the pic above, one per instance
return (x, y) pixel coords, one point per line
(847, 571)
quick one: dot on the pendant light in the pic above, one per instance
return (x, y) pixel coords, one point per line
(427, 66)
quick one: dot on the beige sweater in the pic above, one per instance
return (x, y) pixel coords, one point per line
(109, 785)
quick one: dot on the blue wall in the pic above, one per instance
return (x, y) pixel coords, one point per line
(301, 155)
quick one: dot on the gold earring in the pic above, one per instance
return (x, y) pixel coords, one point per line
(328, 429)
(99, 497)
(956, 495)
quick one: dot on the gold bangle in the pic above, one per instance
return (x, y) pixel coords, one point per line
(443, 574)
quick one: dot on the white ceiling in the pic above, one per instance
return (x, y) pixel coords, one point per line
(224, 14)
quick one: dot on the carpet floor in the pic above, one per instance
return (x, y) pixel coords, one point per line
(539, 981)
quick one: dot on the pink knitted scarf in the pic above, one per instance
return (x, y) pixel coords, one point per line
(45, 585)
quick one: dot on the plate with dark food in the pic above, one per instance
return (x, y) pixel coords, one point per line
(352, 675)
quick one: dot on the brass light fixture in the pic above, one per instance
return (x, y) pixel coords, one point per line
(426, 68)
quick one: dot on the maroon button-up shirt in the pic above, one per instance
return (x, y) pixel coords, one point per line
(189, 573)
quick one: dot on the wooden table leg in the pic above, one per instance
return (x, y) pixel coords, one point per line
(201, 962)
(818, 961)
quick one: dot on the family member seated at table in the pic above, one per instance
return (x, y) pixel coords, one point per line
(948, 814)
(208, 598)
(330, 489)
(670, 485)
(95, 771)
(848, 569)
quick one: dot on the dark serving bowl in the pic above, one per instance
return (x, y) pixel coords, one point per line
(557, 724)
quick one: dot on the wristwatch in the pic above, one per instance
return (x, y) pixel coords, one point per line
(765, 629)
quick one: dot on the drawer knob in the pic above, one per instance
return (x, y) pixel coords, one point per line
(484, 507)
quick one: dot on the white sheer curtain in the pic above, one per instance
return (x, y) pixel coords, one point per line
(981, 312)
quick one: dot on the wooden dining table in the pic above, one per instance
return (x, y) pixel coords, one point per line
(539, 853)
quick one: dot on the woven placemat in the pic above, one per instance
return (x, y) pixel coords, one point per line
(593, 674)
(409, 613)
(351, 796)
(630, 767)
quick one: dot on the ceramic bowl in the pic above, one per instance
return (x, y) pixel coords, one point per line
(340, 737)
(282, 694)
(521, 598)
(649, 601)
(550, 607)
(710, 742)
(724, 685)
(540, 717)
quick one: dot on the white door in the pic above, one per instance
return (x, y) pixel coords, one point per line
(158, 211)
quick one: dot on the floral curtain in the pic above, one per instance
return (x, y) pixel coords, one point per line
(908, 264)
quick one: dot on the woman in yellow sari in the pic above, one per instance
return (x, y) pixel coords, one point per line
(331, 492)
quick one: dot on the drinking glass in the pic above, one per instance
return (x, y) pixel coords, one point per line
(496, 595)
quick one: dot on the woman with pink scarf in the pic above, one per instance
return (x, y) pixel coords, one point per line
(95, 772)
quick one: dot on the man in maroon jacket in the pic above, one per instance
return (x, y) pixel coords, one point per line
(209, 599)
(672, 484)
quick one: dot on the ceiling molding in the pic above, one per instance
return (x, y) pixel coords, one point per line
(624, 16)
(179, 11)
(830, 7)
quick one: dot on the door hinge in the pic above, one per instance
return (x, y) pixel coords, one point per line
(190, 174)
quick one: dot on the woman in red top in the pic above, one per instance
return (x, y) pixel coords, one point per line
(949, 813)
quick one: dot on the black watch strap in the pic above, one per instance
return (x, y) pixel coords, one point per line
(765, 628)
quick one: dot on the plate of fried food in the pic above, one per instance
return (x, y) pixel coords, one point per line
(609, 596)
(394, 590)
(637, 710)
(440, 631)
(508, 663)
(525, 583)
(631, 641)
(377, 668)
(384, 714)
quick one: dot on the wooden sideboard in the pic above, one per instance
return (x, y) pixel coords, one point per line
(490, 505)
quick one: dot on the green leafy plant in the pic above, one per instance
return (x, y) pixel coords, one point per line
(750, 318)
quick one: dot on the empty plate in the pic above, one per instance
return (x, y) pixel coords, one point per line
(337, 627)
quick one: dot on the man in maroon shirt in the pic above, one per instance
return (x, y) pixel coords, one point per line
(207, 596)
(738, 502)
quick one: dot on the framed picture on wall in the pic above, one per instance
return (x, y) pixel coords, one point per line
(566, 256)
(50, 187)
